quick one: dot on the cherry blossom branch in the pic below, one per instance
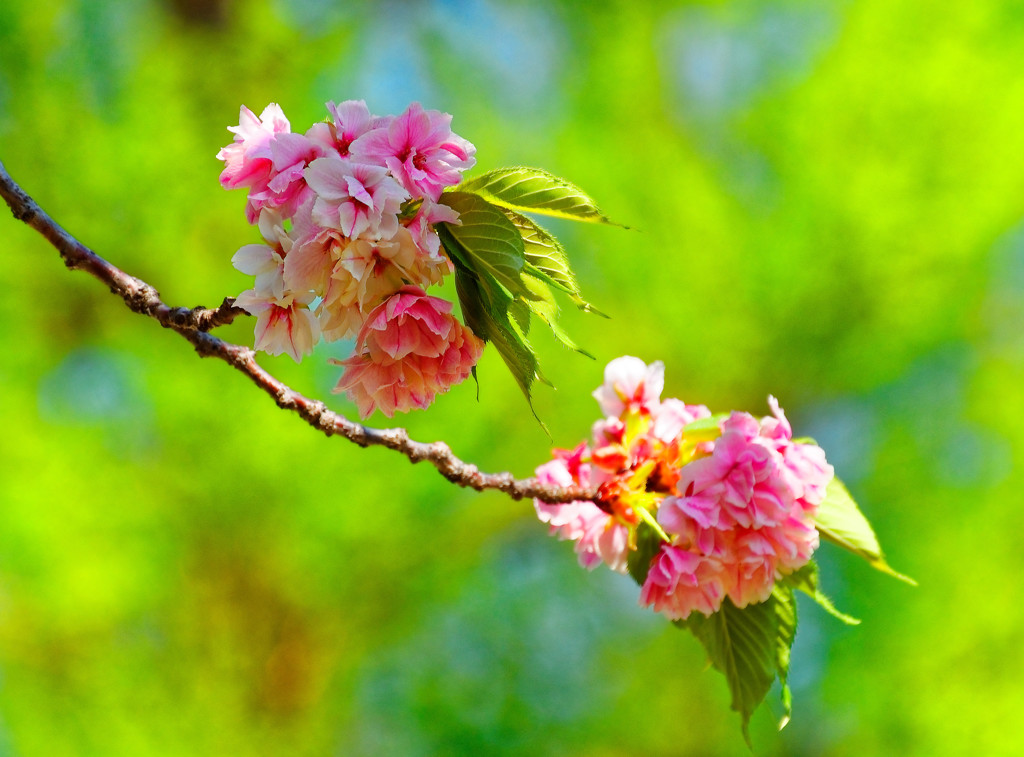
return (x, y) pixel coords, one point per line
(194, 324)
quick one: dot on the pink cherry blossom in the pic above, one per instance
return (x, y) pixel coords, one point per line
(680, 582)
(744, 476)
(420, 150)
(671, 415)
(598, 536)
(752, 568)
(357, 198)
(364, 273)
(284, 323)
(314, 253)
(266, 261)
(351, 120)
(630, 384)
(286, 187)
(281, 329)
(382, 266)
(422, 224)
(809, 473)
(248, 161)
(750, 503)
(410, 349)
(341, 317)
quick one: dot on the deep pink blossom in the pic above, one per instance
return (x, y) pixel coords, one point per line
(736, 501)
(248, 161)
(420, 150)
(744, 477)
(410, 349)
(750, 503)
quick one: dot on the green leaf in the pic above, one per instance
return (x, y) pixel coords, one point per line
(746, 646)
(546, 259)
(485, 308)
(544, 307)
(488, 242)
(535, 191)
(648, 545)
(840, 521)
(785, 619)
(806, 580)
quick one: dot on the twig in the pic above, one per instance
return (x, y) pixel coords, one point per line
(194, 324)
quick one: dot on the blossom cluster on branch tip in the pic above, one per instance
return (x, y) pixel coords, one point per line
(347, 211)
(728, 502)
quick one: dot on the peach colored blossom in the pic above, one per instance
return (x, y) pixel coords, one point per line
(410, 349)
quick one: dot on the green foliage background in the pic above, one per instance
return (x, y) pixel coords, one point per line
(828, 200)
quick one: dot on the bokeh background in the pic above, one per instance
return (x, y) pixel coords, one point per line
(828, 201)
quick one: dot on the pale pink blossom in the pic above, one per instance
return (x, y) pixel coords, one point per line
(422, 224)
(284, 323)
(410, 349)
(314, 253)
(680, 582)
(365, 272)
(341, 317)
(266, 261)
(607, 431)
(671, 415)
(382, 266)
(286, 187)
(420, 150)
(599, 537)
(357, 198)
(281, 328)
(606, 539)
(351, 120)
(630, 385)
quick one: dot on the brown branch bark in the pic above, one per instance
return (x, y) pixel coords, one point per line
(194, 324)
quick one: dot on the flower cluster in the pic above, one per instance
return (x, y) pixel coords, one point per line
(730, 500)
(347, 212)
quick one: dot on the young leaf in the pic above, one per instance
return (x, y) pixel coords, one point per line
(485, 309)
(488, 241)
(545, 308)
(648, 545)
(546, 259)
(745, 645)
(840, 521)
(535, 191)
(806, 580)
(704, 429)
(785, 619)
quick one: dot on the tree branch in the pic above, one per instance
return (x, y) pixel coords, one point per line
(194, 324)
